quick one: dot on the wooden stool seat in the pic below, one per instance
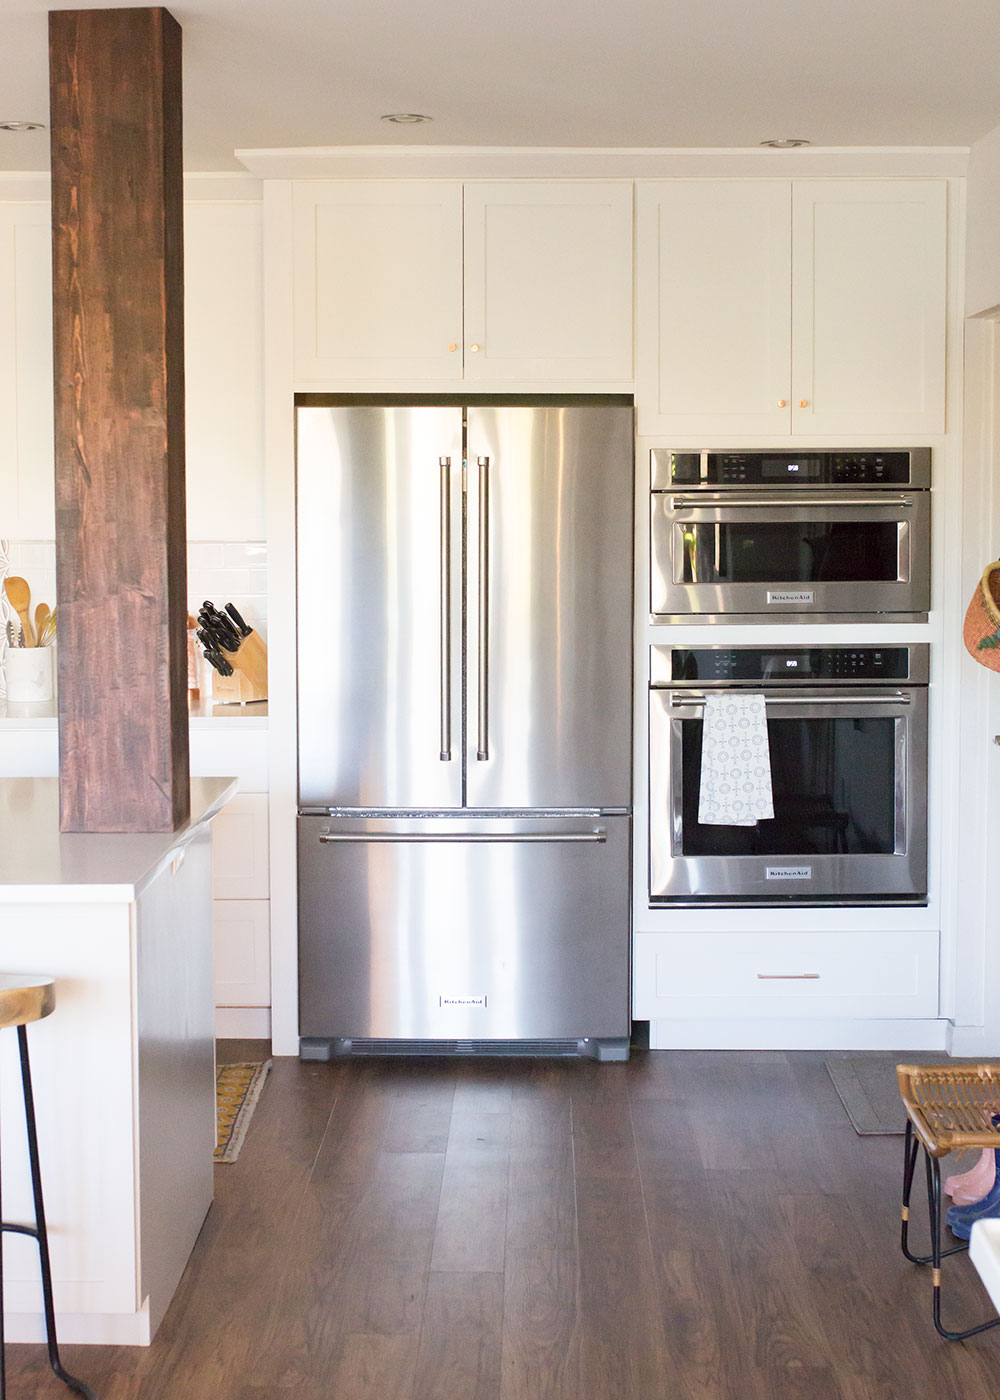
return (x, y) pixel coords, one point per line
(25, 998)
(948, 1107)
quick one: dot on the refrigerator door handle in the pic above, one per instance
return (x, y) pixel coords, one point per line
(445, 585)
(483, 707)
(455, 837)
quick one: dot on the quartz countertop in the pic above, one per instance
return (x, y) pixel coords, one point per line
(27, 714)
(40, 864)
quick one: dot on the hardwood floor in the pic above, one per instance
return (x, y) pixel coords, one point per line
(689, 1226)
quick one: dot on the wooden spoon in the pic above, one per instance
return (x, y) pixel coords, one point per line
(41, 616)
(19, 594)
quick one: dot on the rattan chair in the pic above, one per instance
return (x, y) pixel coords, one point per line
(947, 1107)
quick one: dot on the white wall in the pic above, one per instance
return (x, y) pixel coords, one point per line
(982, 248)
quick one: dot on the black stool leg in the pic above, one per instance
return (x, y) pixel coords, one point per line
(40, 1232)
(911, 1149)
(933, 1166)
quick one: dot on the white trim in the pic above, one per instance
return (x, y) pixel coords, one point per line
(279, 448)
(242, 1023)
(83, 1329)
(812, 1034)
(553, 162)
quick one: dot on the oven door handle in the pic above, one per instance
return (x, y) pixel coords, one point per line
(803, 502)
(681, 701)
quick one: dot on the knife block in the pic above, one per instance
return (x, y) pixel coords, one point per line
(249, 679)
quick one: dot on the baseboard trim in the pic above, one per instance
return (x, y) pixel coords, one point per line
(243, 1023)
(748, 1034)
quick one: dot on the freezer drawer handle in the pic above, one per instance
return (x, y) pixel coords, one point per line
(445, 466)
(464, 837)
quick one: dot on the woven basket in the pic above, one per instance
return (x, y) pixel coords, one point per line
(981, 632)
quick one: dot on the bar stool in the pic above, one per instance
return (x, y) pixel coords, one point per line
(24, 999)
(947, 1107)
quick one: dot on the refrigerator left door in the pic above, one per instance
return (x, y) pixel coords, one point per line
(379, 538)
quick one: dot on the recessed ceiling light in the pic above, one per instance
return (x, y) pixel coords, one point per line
(22, 126)
(405, 118)
(788, 144)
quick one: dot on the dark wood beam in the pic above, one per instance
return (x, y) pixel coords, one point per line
(118, 316)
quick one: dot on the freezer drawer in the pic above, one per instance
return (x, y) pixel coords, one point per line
(471, 929)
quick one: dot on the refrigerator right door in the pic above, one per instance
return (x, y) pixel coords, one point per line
(549, 622)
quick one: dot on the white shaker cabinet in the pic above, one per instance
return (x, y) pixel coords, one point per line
(241, 913)
(791, 307)
(548, 281)
(27, 499)
(416, 281)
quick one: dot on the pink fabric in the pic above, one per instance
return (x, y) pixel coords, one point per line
(977, 1182)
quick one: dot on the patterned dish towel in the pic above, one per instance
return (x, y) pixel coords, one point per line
(735, 762)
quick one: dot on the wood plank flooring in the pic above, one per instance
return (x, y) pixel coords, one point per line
(689, 1226)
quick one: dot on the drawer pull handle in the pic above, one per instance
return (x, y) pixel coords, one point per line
(787, 976)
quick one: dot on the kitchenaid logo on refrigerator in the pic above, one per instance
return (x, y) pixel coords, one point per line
(462, 1001)
(789, 872)
(791, 595)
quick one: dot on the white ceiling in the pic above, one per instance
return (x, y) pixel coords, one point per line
(606, 73)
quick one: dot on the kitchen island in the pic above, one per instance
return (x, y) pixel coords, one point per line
(124, 1069)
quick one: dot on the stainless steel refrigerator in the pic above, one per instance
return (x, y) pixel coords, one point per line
(465, 733)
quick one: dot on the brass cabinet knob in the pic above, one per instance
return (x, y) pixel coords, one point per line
(474, 348)
(453, 346)
(782, 403)
(803, 403)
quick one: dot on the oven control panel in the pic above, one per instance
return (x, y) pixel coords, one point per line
(909, 467)
(791, 666)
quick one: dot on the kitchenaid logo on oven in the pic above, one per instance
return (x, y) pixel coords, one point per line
(789, 872)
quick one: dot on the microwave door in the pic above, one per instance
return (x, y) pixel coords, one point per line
(773, 556)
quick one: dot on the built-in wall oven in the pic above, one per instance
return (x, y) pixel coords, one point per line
(781, 535)
(847, 734)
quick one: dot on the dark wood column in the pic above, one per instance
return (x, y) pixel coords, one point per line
(117, 191)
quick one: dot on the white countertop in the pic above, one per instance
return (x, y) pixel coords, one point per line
(39, 864)
(202, 714)
(984, 1251)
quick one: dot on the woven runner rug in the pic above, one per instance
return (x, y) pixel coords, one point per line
(237, 1091)
(868, 1088)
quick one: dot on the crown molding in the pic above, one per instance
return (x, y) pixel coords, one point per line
(560, 162)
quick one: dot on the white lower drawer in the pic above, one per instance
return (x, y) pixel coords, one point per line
(854, 974)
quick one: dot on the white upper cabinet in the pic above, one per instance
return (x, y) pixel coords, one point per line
(27, 499)
(378, 280)
(509, 282)
(714, 302)
(777, 307)
(224, 371)
(548, 281)
(868, 306)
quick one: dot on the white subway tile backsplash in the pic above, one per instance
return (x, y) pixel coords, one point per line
(222, 570)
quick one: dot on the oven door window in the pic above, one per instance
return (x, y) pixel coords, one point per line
(834, 782)
(820, 551)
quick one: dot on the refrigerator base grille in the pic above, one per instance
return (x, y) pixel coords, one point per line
(318, 1048)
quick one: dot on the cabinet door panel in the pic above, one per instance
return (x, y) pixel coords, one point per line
(27, 503)
(868, 329)
(239, 849)
(378, 280)
(548, 281)
(713, 353)
(241, 946)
